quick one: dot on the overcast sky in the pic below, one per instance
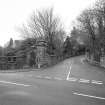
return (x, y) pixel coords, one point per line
(13, 13)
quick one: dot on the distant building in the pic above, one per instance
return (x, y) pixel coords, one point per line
(13, 43)
(17, 43)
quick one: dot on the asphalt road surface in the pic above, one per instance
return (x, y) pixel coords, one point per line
(72, 82)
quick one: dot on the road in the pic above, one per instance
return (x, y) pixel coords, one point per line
(71, 82)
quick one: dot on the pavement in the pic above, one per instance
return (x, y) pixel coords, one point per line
(71, 82)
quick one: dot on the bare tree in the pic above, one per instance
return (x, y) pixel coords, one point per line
(93, 22)
(41, 23)
(46, 25)
(86, 20)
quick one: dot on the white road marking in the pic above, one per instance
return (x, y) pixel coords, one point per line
(69, 73)
(72, 79)
(47, 77)
(57, 78)
(96, 82)
(13, 83)
(82, 60)
(85, 95)
(84, 80)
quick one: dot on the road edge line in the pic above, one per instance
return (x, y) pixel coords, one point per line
(14, 83)
(90, 96)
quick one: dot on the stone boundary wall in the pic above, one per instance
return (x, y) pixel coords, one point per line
(100, 64)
